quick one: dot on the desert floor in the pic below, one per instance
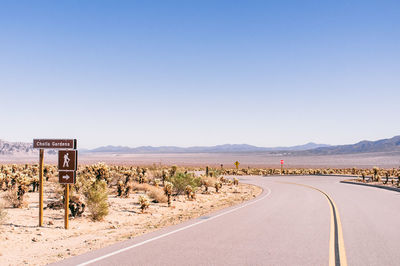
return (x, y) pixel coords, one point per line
(22, 242)
(362, 160)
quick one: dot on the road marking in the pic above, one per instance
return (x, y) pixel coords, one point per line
(173, 232)
(337, 252)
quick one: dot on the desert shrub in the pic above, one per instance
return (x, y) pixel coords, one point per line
(143, 202)
(181, 180)
(15, 197)
(97, 200)
(141, 187)
(207, 182)
(157, 195)
(235, 181)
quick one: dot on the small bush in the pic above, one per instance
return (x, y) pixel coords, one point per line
(157, 195)
(142, 187)
(207, 182)
(15, 199)
(97, 200)
(182, 180)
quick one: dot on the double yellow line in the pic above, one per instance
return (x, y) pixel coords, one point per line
(337, 252)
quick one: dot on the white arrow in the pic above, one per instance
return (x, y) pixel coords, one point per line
(66, 177)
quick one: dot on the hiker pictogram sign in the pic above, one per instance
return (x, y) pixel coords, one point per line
(66, 177)
(237, 164)
(67, 160)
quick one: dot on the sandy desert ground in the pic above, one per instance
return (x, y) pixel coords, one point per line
(22, 242)
(362, 160)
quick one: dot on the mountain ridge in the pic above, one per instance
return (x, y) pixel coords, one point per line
(365, 146)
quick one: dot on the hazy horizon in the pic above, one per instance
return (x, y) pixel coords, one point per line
(178, 73)
(220, 144)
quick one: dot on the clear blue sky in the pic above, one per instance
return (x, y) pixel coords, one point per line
(267, 73)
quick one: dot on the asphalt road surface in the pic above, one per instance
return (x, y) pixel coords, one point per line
(297, 220)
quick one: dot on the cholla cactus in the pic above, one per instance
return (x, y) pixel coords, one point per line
(174, 168)
(188, 191)
(164, 176)
(375, 171)
(157, 182)
(168, 191)
(141, 178)
(217, 186)
(120, 188)
(102, 172)
(398, 178)
(144, 202)
(387, 178)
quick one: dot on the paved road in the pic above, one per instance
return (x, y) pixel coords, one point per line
(300, 220)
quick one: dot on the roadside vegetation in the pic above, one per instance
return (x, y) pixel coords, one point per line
(155, 185)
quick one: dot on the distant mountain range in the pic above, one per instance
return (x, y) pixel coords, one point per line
(226, 148)
(384, 145)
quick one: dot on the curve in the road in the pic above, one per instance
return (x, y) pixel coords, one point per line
(337, 252)
(175, 231)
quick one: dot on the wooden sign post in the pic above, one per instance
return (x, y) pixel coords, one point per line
(281, 167)
(53, 144)
(41, 158)
(66, 206)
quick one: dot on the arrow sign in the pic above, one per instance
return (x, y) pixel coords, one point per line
(66, 177)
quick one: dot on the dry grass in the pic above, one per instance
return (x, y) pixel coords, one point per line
(11, 197)
(141, 187)
(157, 194)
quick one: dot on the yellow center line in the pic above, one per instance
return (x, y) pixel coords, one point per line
(337, 252)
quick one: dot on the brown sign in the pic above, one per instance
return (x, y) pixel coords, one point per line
(66, 177)
(67, 160)
(54, 143)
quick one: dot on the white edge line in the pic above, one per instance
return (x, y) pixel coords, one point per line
(173, 232)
